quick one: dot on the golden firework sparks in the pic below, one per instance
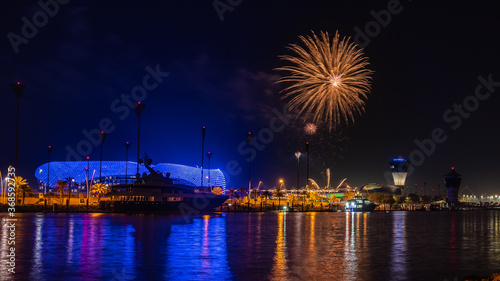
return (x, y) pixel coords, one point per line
(329, 79)
(310, 128)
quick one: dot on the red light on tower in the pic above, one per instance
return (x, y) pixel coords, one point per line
(18, 83)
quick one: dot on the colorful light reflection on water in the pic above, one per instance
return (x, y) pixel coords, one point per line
(255, 246)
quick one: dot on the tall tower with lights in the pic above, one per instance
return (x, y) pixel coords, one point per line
(452, 181)
(399, 169)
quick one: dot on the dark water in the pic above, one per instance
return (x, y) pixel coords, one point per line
(255, 246)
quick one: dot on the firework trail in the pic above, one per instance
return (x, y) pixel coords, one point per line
(329, 79)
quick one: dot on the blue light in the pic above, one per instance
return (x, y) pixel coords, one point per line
(399, 159)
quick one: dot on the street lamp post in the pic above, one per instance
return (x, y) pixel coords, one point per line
(49, 150)
(307, 175)
(127, 146)
(88, 177)
(102, 138)
(202, 154)
(209, 155)
(18, 89)
(138, 109)
(278, 193)
(297, 155)
(249, 139)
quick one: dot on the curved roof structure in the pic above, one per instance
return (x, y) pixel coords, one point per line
(114, 172)
(375, 187)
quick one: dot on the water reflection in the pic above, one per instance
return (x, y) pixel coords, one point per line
(350, 259)
(398, 264)
(279, 270)
(37, 249)
(192, 254)
(256, 246)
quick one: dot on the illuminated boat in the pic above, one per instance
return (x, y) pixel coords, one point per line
(359, 204)
(156, 193)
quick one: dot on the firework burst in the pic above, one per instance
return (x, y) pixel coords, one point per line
(310, 128)
(329, 79)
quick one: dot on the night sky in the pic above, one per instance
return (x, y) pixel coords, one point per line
(85, 59)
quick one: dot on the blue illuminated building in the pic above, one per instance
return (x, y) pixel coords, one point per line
(113, 172)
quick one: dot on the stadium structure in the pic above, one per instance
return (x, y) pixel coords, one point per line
(113, 172)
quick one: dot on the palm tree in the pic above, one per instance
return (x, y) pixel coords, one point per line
(242, 192)
(100, 189)
(255, 193)
(217, 190)
(22, 187)
(348, 195)
(305, 194)
(60, 186)
(266, 194)
(278, 192)
(71, 183)
(232, 193)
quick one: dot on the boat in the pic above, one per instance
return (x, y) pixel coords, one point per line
(359, 204)
(157, 193)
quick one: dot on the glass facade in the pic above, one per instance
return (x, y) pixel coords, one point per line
(113, 172)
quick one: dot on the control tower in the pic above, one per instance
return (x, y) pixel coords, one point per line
(452, 181)
(399, 169)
